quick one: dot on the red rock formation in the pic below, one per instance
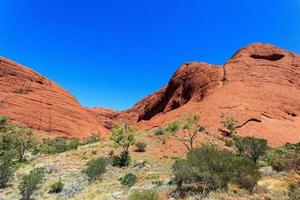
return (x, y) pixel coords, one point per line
(259, 86)
(34, 101)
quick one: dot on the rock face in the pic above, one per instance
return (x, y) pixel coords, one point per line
(34, 101)
(259, 87)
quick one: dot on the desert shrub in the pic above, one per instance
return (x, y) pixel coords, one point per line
(7, 168)
(285, 158)
(92, 139)
(229, 123)
(294, 191)
(212, 169)
(53, 146)
(74, 144)
(160, 131)
(129, 180)
(140, 146)
(122, 160)
(31, 182)
(251, 147)
(123, 136)
(15, 137)
(56, 187)
(95, 168)
(144, 195)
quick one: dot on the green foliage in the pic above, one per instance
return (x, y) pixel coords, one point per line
(129, 180)
(140, 146)
(213, 169)
(56, 187)
(15, 137)
(186, 131)
(74, 144)
(95, 168)
(111, 152)
(160, 131)
(7, 168)
(285, 158)
(92, 139)
(144, 195)
(228, 143)
(251, 147)
(30, 183)
(229, 123)
(123, 136)
(122, 160)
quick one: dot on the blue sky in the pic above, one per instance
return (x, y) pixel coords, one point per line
(113, 53)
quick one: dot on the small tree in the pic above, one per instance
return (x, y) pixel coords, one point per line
(24, 141)
(31, 182)
(188, 133)
(251, 147)
(95, 168)
(123, 136)
(230, 124)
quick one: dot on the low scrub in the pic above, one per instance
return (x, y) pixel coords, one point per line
(286, 158)
(92, 139)
(140, 146)
(129, 180)
(95, 168)
(210, 168)
(144, 195)
(30, 183)
(56, 187)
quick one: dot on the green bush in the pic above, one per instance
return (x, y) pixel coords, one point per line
(229, 124)
(144, 195)
(30, 183)
(129, 180)
(92, 139)
(251, 147)
(285, 158)
(56, 187)
(74, 144)
(140, 146)
(211, 169)
(95, 168)
(6, 173)
(122, 160)
(160, 131)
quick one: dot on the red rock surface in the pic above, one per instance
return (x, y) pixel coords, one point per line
(259, 86)
(34, 101)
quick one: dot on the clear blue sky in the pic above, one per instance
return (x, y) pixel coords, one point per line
(113, 53)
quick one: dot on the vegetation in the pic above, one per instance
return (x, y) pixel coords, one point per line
(140, 146)
(285, 158)
(56, 187)
(229, 124)
(123, 136)
(129, 180)
(92, 139)
(7, 168)
(251, 147)
(95, 168)
(212, 168)
(74, 144)
(30, 183)
(188, 132)
(144, 195)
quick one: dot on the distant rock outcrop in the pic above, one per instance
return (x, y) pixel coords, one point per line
(259, 86)
(34, 101)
